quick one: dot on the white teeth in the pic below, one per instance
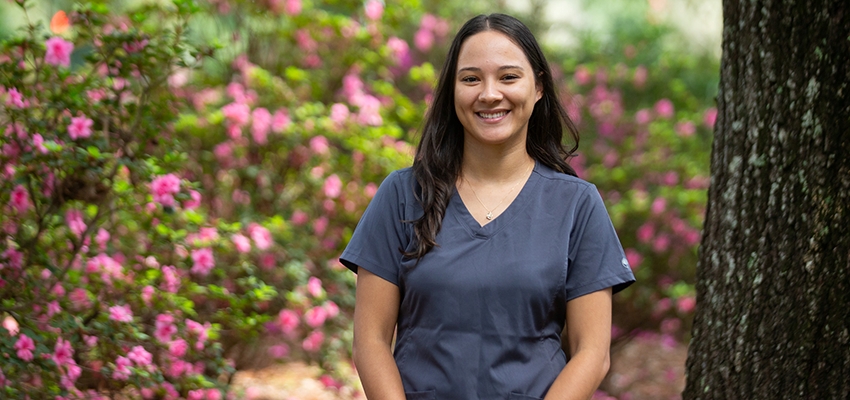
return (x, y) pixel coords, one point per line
(490, 116)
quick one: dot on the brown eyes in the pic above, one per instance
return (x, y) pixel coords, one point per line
(471, 78)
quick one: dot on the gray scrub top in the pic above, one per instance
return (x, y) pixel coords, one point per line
(482, 313)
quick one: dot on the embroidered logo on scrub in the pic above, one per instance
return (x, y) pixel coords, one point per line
(625, 263)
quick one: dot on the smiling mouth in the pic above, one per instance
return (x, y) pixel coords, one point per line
(492, 115)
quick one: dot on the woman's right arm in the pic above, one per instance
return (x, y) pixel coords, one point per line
(375, 314)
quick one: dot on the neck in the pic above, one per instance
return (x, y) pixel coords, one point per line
(495, 164)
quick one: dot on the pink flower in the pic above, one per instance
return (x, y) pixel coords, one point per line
(147, 294)
(374, 9)
(319, 144)
(279, 351)
(203, 261)
(38, 142)
(177, 348)
(79, 299)
(645, 233)
(658, 205)
(671, 178)
(58, 51)
(280, 121)
(164, 328)
(24, 347)
(292, 7)
(163, 189)
(370, 111)
(686, 129)
(74, 219)
(339, 113)
(260, 235)
(196, 394)
(643, 116)
(243, 245)
(16, 99)
(315, 316)
(53, 308)
(170, 279)
(140, 356)
(640, 76)
(80, 127)
(320, 225)
(213, 394)
(261, 123)
(20, 199)
(710, 117)
(399, 49)
(237, 114)
(121, 313)
(423, 39)
(201, 330)
(686, 304)
(661, 243)
(314, 286)
(299, 218)
(582, 75)
(288, 320)
(370, 189)
(122, 368)
(313, 342)
(333, 186)
(102, 238)
(664, 108)
(91, 341)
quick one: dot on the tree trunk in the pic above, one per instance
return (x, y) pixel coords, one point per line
(773, 279)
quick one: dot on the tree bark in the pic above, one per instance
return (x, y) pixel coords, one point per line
(773, 278)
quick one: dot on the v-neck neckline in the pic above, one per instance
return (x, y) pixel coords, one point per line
(486, 231)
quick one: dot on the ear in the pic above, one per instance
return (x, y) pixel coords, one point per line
(539, 92)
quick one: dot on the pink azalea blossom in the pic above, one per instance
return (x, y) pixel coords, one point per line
(374, 9)
(279, 351)
(319, 145)
(261, 123)
(177, 348)
(79, 299)
(280, 121)
(288, 320)
(15, 99)
(91, 341)
(299, 218)
(315, 316)
(645, 233)
(170, 279)
(164, 328)
(686, 129)
(370, 189)
(664, 108)
(38, 143)
(237, 114)
(339, 113)
(320, 225)
(63, 353)
(686, 304)
(313, 342)
(140, 356)
(314, 286)
(332, 186)
(640, 76)
(643, 116)
(292, 7)
(331, 308)
(53, 308)
(74, 219)
(163, 189)
(121, 313)
(243, 245)
(58, 51)
(20, 199)
(122, 368)
(24, 347)
(260, 235)
(658, 205)
(203, 261)
(661, 243)
(399, 49)
(196, 394)
(147, 294)
(423, 40)
(369, 113)
(710, 117)
(80, 128)
(634, 258)
(202, 331)
(582, 75)
(102, 238)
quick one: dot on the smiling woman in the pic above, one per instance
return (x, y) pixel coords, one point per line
(488, 247)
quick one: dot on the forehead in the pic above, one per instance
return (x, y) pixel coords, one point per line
(490, 49)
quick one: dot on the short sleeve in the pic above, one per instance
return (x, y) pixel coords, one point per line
(596, 260)
(380, 235)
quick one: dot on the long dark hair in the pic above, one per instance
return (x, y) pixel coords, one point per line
(437, 163)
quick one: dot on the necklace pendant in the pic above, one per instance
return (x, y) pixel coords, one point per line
(489, 215)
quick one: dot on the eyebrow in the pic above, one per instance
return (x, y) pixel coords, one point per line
(504, 67)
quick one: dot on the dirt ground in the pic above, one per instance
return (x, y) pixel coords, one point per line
(645, 368)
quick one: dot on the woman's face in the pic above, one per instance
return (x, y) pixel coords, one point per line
(495, 90)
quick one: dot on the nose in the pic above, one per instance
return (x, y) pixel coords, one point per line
(489, 92)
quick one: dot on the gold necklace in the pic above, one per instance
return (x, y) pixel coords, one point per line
(489, 215)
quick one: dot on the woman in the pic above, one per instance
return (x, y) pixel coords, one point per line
(482, 252)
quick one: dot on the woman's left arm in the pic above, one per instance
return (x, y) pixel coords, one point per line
(589, 335)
